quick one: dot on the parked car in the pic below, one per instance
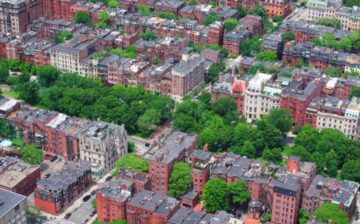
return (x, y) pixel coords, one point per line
(47, 175)
(84, 221)
(148, 145)
(67, 215)
(108, 178)
(93, 192)
(86, 198)
(53, 158)
(93, 213)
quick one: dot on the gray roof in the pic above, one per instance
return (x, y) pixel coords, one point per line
(8, 201)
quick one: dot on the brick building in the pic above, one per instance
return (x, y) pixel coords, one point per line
(234, 38)
(58, 9)
(254, 24)
(174, 148)
(111, 200)
(18, 176)
(277, 7)
(141, 180)
(54, 194)
(186, 75)
(150, 207)
(342, 193)
(200, 169)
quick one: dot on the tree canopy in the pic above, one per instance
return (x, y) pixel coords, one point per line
(180, 179)
(328, 22)
(215, 195)
(32, 154)
(266, 56)
(82, 17)
(148, 35)
(238, 193)
(280, 118)
(211, 18)
(330, 211)
(230, 24)
(62, 36)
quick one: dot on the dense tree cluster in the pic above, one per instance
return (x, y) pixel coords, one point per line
(218, 195)
(331, 211)
(328, 22)
(32, 154)
(82, 17)
(330, 149)
(62, 36)
(180, 179)
(218, 125)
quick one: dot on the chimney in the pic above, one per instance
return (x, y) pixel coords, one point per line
(206, 147)
(293, 164)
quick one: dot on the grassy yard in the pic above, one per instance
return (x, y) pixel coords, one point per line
(10, 93)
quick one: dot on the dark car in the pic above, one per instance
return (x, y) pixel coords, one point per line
(47, 175)
(92, 213)
(147, 145)
(93, 193)
(53, 158)
(86, 198)
(67, 215)
(108, 178)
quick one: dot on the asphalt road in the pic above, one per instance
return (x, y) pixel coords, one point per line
(82, 212)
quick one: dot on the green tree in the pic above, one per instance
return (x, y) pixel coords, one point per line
(272, 136)
(280, 118)
(266, 217)
(6, 130)
(330, 211)
(29, 92)
(345, 44)
(308, 138)
(148, 35)
(266, 56)
(149, 120)
(216, 134)
(193, 2)
(239, 194)
(211, 18)
(226, 108)
(131, 161)
(277, 18)
(250, 46)
(355, 91)
(62, 36)
(287, 36)
(304, 216)
(113, 4)
(299, 63)
(82, 17)
(47, 75)
(230, 24)
(167, 15)
(351, 3)
(32, 154)
(93, 203)
(241, 11)
(273, 155)
(180, 179)
(144, 10)
(244, 132)
(328, 22)
(4, 74)
(119, 221)
(248, 150)
(258, 10)
(351, 170)
(332, 71)
(104, 20)
(215, 195)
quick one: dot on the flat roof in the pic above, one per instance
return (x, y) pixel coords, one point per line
(8, 201)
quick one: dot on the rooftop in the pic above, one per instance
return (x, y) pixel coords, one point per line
(8, 201)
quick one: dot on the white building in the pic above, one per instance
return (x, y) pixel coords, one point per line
(259, 97)
(102, 144)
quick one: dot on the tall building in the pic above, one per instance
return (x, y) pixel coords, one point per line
(277, 7)
(174, 148)
(186, 75)
(16, 15)
(12, 208)
(57, 192)
(200, 169)
(260, 97)
(102, 144)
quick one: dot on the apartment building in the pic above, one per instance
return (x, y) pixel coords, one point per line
(141, 180)
(296, 97)
(13, 208)
(111, 200)
(17, 176)
(234, 39)
(102, 144)
(16, 15)
(277, 7)
(150, 207)
(52, 195)
(348, 17)
(322, 189)
(200, 169)
(174, 148)
(8, 106)
(186, 75)
(332, 112)
(186, 215)
(260, 97)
